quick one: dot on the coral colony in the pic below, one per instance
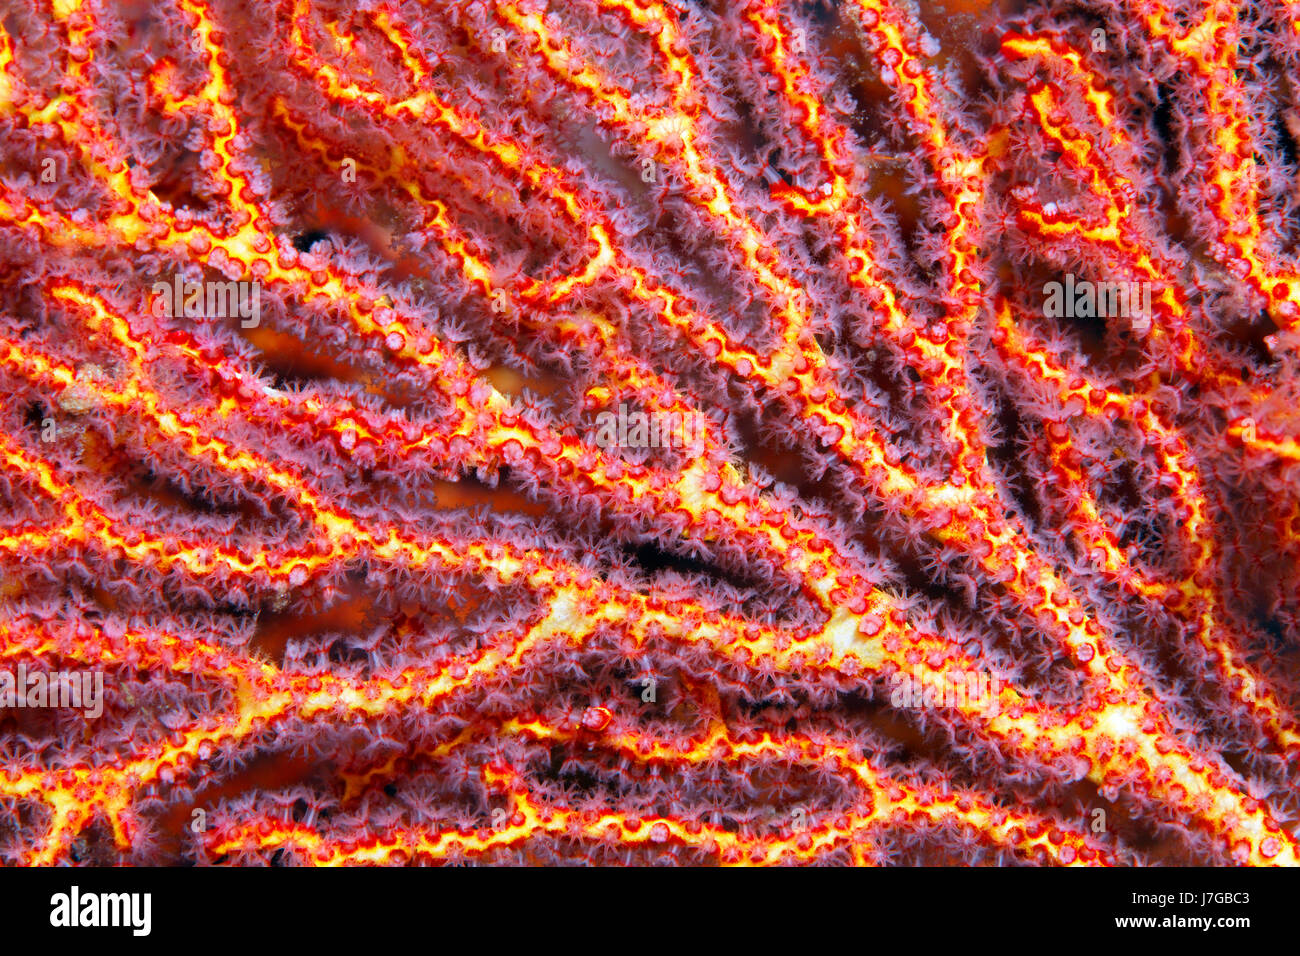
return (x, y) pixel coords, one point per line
(623, 431)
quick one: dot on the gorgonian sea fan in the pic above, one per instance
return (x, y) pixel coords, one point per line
(940, 573)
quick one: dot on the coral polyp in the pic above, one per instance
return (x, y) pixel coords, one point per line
(631, 432)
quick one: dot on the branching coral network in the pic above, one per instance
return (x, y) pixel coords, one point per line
(310, 315)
